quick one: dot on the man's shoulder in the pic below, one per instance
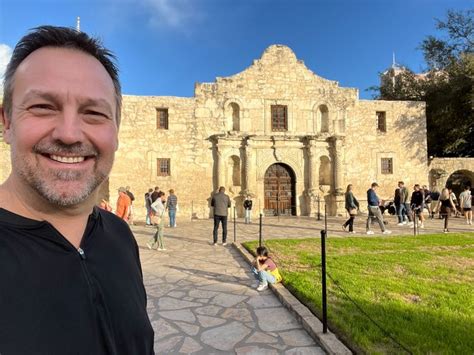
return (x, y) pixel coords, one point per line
(111, 218)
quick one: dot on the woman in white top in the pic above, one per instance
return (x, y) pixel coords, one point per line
(158, 209)
(465, 201)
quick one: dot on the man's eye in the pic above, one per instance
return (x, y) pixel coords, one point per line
(96, 113)
(41, 107)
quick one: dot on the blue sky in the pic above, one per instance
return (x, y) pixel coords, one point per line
(165, 46)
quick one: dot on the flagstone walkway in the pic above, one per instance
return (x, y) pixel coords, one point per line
(201, 299)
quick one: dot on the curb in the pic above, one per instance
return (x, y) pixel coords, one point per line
(331, 344)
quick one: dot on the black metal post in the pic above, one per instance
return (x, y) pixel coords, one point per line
(415, 222)
(323, 281)
(319, 208)
(192, 210)
(260, 231)
(235, 228)
(325, 219)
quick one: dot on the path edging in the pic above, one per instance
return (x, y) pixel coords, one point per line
(308, 320)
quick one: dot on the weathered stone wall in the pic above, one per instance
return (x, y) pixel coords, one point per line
(141, 143)
(277, 78)
(404, 141)
(5, 161)
(440, 170)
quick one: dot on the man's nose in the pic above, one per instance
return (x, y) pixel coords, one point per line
(68, 127)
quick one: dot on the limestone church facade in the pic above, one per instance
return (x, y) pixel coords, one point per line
(275, 131)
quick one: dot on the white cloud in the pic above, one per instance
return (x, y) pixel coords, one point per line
(5, 54)
(172, 13)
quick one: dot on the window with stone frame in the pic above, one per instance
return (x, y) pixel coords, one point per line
(163, 165)
(386, 165)
(381, 121)
(161, 118)
(279, 118)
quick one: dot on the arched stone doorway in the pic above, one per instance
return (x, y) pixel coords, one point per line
(280, 191)
(458, 179)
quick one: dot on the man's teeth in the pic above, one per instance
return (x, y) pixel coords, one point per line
(67, 160)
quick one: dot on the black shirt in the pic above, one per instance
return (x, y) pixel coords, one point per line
(417, 198)
(248, 204)
(154, 196)
(53, 300)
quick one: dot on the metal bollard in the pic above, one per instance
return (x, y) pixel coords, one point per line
(260, 231)
(323, 281)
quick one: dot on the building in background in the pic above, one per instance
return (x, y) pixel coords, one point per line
(275, 131)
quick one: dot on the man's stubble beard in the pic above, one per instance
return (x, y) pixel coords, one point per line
(46, 186)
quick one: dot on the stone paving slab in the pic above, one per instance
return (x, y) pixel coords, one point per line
(200, 297)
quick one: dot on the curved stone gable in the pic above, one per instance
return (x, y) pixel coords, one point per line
(278, 74)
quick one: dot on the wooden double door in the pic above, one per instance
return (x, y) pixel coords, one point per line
(279, 189)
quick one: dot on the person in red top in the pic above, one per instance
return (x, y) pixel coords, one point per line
(264, 269)
(123, 204)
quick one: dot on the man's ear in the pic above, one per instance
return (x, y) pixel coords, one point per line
(5, 121)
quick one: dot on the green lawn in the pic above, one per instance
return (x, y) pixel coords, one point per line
(420, 289)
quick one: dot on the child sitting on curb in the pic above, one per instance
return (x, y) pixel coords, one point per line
(264, 269)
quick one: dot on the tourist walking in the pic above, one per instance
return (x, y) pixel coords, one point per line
(171, 206)
(123, 204)
(247, 209)
(397, 203)
(374, 210)
(130, 211)
(455, 201)
(405, 211)
(148, 203)
(465, 201)
(434, 194)
(352, 205)
(445, 207)
(221, 204)
(158, 207)
(264, 269)
(417, 203)
(155, 194)
(427, 201)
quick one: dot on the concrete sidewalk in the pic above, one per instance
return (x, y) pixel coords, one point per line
(200, 297)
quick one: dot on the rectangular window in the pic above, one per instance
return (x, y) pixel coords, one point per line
(381, 121)
(279, 118)
(163, 165)
(387, 166)
(161, 118)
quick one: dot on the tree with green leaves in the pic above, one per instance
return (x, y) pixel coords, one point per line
(446, 87)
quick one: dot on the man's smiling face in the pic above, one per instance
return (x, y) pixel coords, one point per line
(62, 130)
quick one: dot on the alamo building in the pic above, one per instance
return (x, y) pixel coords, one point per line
(275, 131)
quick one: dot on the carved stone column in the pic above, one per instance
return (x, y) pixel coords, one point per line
(247, 165)
(218, 163)
(338, 173)
(312, 177)
(338, 154)
(220, 167)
